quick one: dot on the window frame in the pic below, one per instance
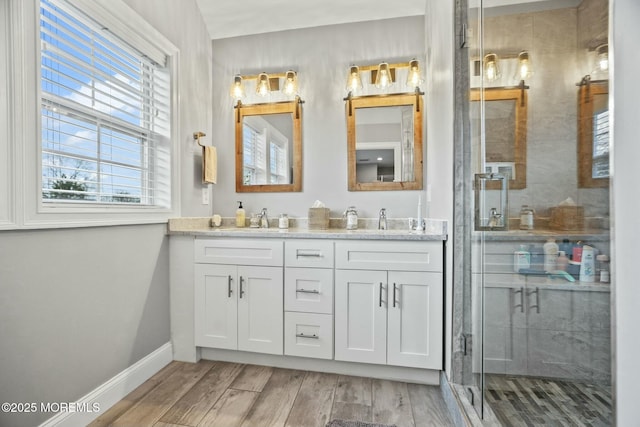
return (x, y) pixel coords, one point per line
(25, 77)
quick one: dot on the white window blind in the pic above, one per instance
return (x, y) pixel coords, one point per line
(601, 145)
(105, 115)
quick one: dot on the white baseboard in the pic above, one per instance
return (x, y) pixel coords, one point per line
(112, 391)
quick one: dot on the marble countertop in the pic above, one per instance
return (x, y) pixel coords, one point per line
(435, 230)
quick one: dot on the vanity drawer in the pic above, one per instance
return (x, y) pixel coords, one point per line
(401, 256)
(239, 251)
(308, 289)
(308, 253)
(308, 335)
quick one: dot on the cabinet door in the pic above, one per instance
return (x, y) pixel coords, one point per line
(215, 306)
(361, 316)
(260, 309)
(505, 330)
(414, 329)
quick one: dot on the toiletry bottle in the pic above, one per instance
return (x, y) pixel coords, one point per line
(283, 221)
(562, 261)
(576, 252)
(240, 215)
(603, 267)
(352, 218)
(587, 265)
(537, 257)
(565, 246)
(521, 259)
(550, 255)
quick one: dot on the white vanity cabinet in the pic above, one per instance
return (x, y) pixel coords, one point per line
(308, 298)
(239, 294)
(388, 303)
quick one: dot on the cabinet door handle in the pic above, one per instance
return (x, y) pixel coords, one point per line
(394, 295)
(308, 291)
(308, 255)
(314, 336)
(380, 296)
(241, 283)
(229, 287)
(537, 304)
(521, 305)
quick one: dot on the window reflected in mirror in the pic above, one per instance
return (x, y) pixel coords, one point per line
(593, 134)
(268, 147)
(384, 136)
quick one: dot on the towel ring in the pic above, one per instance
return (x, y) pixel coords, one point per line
(197, 136)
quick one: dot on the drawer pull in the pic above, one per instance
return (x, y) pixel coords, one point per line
(308, 291)
(305, 255)
(241, 290)
(314, 336)
(229, 291)
(380, 296)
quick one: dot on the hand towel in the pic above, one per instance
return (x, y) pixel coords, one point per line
(209, 165)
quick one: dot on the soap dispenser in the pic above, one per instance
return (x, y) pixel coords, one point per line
(240, 215)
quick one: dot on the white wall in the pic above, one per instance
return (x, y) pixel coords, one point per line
(321, 56)
(78, 306)
(439, 34)
(626, 207)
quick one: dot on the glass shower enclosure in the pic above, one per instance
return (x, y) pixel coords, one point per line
(539, 232)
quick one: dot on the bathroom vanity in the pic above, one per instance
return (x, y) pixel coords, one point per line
(363, 301)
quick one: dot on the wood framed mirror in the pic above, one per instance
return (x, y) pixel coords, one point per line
(593, 134)
(505, 111)
(269, 147)
(384, 142)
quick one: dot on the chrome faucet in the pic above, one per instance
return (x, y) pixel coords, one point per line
(495, 219)
(264, 220)
(382, 219)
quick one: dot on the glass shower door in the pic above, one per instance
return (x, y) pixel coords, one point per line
(538, 115)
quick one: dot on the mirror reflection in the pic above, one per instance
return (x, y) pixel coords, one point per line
(384, 144)
(505, 151)
(384, 136)
(268, 147)
(593, 135)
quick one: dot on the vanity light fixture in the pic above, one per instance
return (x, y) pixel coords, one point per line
(290, 83)
(354, 82)
(524, 66)
(383, 75)
(491, 70)
(265, 83)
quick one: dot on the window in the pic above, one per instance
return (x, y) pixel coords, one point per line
(106, 114)
(265, 152)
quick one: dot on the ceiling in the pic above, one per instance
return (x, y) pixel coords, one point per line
(231, 18)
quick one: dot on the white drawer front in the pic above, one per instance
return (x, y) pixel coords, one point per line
(308, 289)
(239, 251)
(309, 253)
(402, 256)
(308, 335)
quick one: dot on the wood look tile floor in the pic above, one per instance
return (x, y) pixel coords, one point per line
(226, 394)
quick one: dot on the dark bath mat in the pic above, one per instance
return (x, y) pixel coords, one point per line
(343, 423)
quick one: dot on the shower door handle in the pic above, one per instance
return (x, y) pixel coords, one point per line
(537, 304)
(521, 292)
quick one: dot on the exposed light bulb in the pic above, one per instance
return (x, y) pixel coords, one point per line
(603, 57)
(491, 70)
(354, 82)
(524, 65)
(383, 77)
(237, 88)
(414, 79)
(290, 83)
(263, 87)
